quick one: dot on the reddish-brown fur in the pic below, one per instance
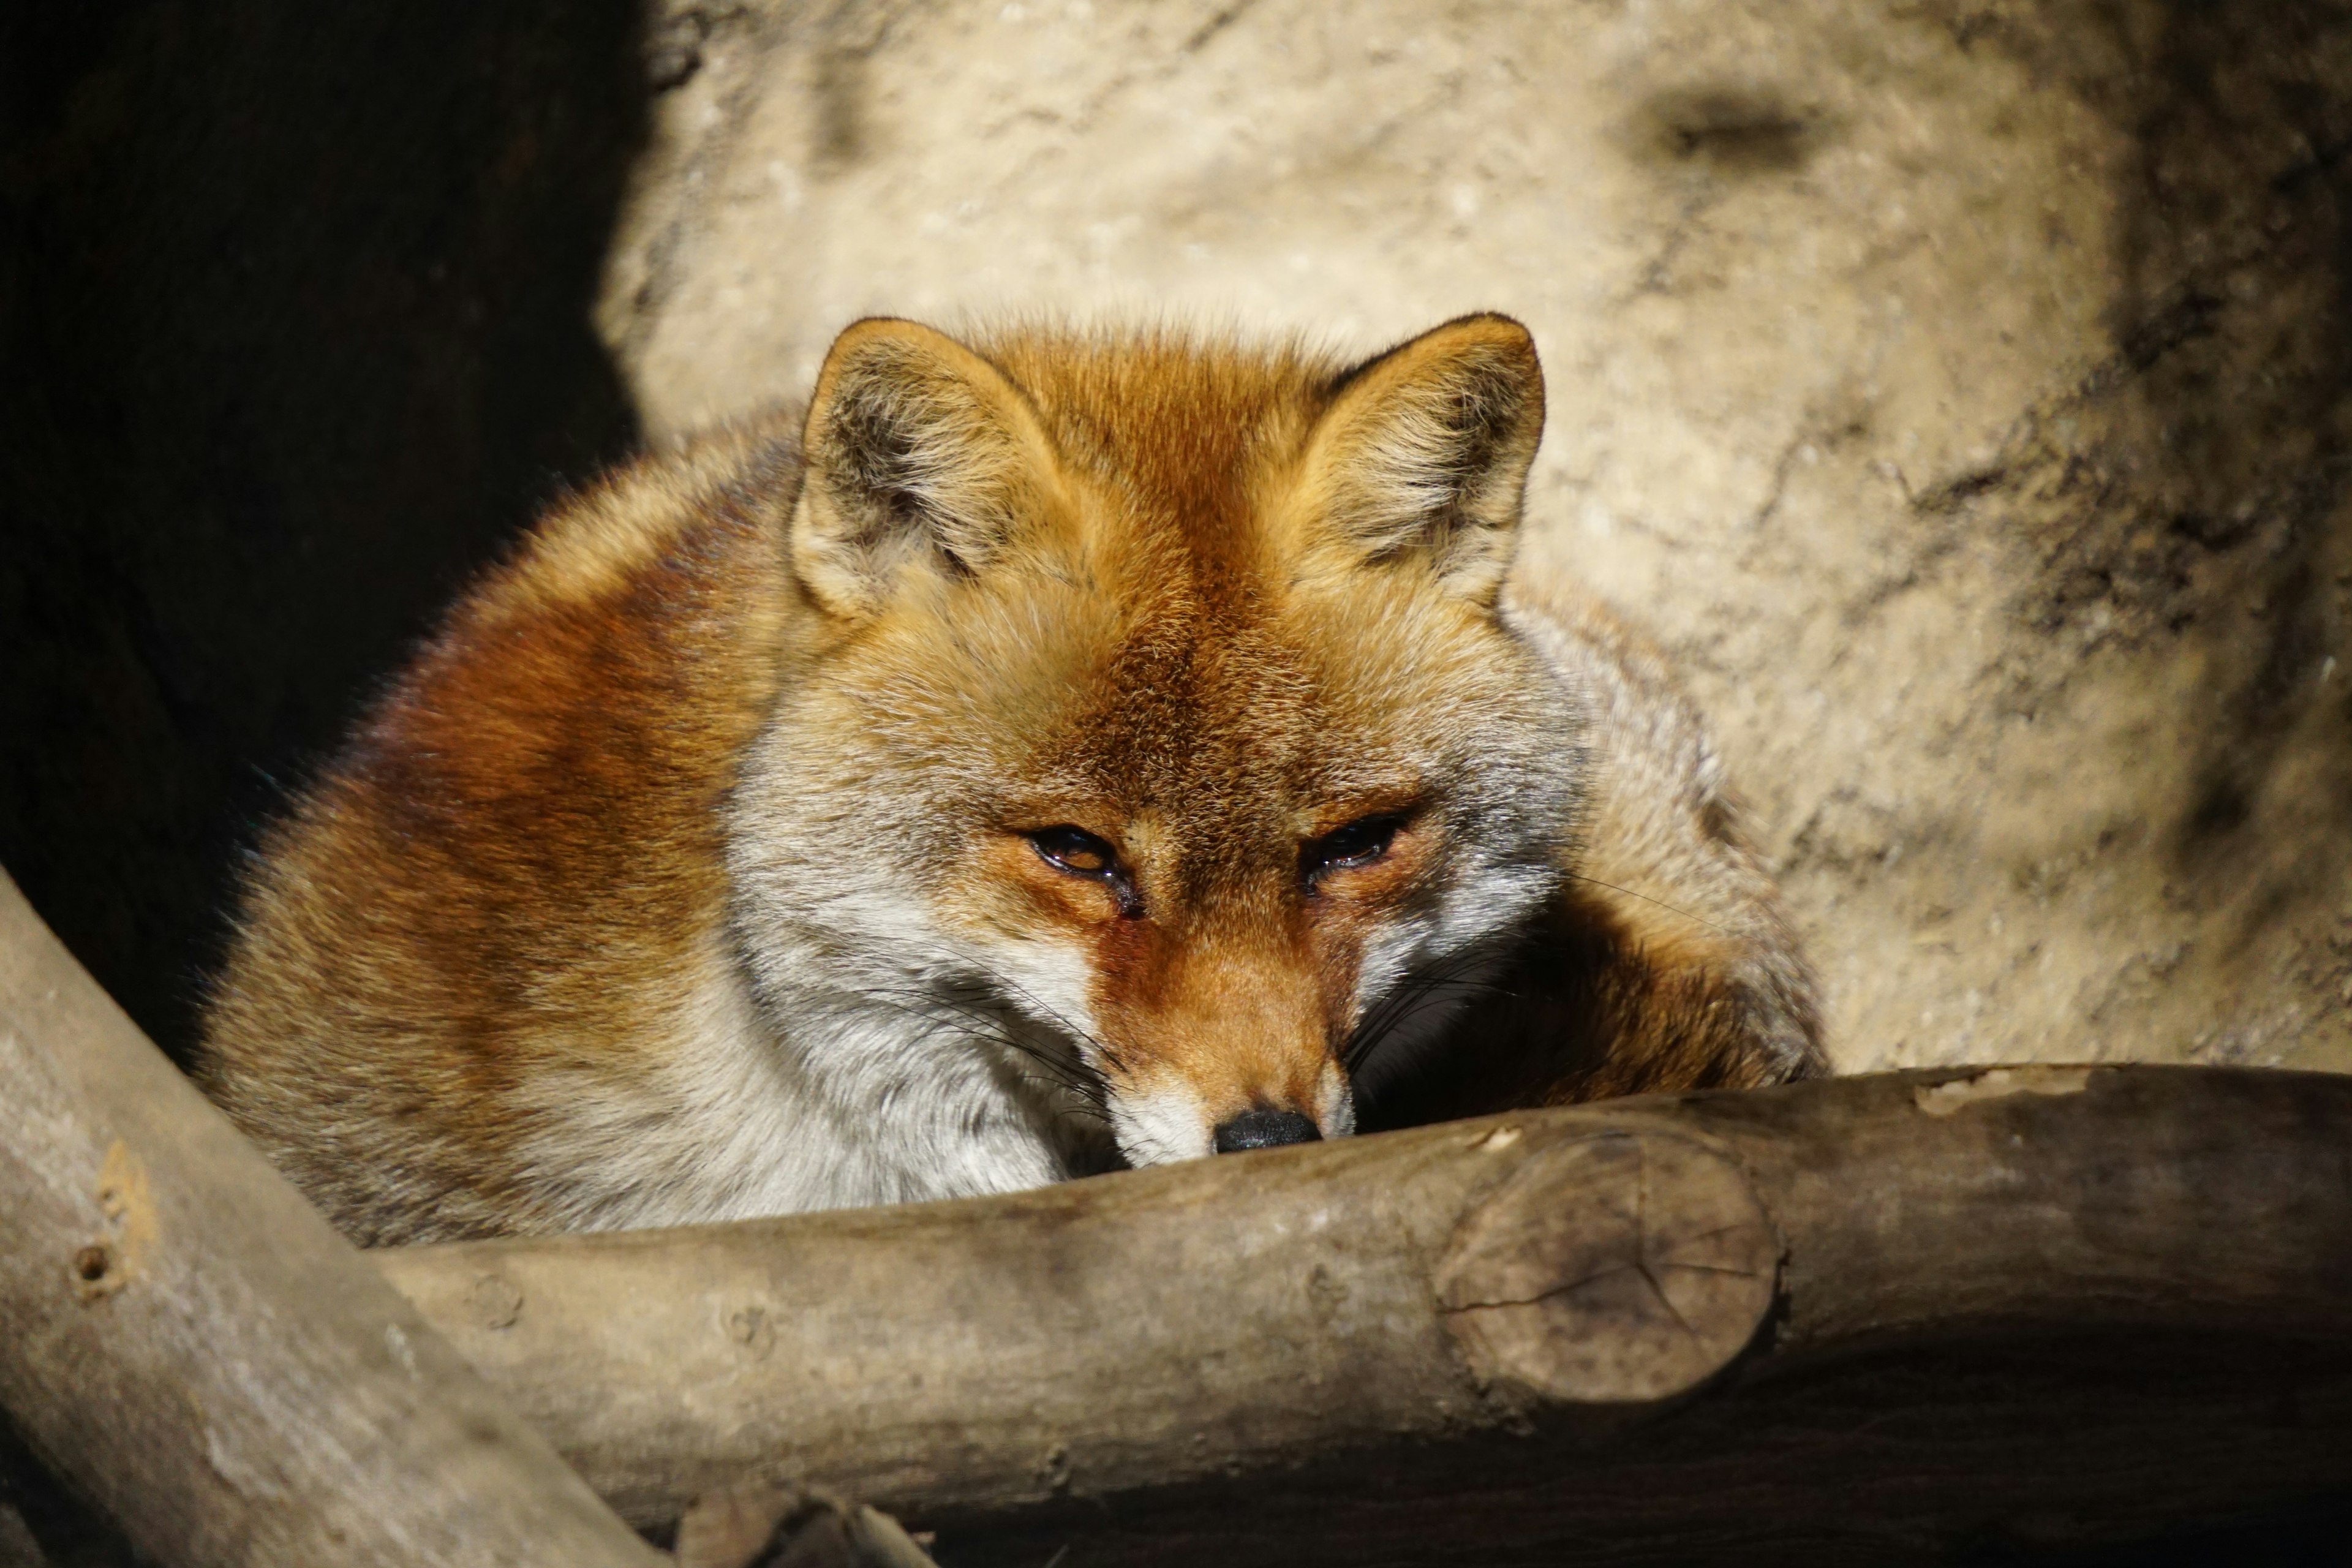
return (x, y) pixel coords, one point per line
(525, 832)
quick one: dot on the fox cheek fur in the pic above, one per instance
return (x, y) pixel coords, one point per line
(1088, 750)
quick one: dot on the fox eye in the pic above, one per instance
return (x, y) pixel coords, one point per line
(1074, 850)
(1360, 843)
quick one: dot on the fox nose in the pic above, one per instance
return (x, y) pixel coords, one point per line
(1264, 1130)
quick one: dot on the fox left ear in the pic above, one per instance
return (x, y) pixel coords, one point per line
(1425, 450)
(921, 456)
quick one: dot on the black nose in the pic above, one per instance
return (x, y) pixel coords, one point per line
(1264, 1130)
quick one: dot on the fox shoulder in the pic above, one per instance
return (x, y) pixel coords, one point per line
(1666, 877)
(517, 862)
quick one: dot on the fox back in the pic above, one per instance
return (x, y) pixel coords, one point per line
(1045, 755)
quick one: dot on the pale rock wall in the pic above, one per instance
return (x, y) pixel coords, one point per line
(1957, 392)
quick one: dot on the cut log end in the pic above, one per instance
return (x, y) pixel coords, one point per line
(1624, 1268)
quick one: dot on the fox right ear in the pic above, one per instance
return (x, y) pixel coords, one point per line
(1423, 451)
(920, 454)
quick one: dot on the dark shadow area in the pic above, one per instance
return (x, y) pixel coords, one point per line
(2033, 1449)
(2192, 500)
(2311, 1535)
(2239, 230)
(35, 1509)
(295, 307)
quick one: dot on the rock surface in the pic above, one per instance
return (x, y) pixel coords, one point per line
(1957, 390)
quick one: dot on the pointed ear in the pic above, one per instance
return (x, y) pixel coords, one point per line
(1425, 451)
(920, 454)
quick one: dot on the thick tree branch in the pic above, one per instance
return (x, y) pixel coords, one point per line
(193, 1350)
(1393, 1309)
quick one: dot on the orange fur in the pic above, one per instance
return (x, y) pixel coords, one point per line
(610, 912)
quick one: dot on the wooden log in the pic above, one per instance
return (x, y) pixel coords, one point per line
(193, 1350)
(1520, 1308)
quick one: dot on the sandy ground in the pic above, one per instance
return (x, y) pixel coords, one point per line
(1958, 391)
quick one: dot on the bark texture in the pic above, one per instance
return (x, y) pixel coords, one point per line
(194, 1351)
(1813, 1320)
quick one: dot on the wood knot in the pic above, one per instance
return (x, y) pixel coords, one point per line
(1054, 1469)
(129, 1235)
(1616, 1269)
(94, 1273)
(750, 1327)
(495, 1301)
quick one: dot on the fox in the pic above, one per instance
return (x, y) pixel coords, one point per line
(1048, 751)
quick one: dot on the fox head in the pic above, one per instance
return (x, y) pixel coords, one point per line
(1163, 727)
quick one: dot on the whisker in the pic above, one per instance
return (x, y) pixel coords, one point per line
(1067, 1025)
(1448, 981)
(1670, 909)
(944, 1011)
(981, 1011)
(1445, 982)
(1368, 1044)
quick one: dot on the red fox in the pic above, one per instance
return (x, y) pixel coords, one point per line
(1052, 752)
